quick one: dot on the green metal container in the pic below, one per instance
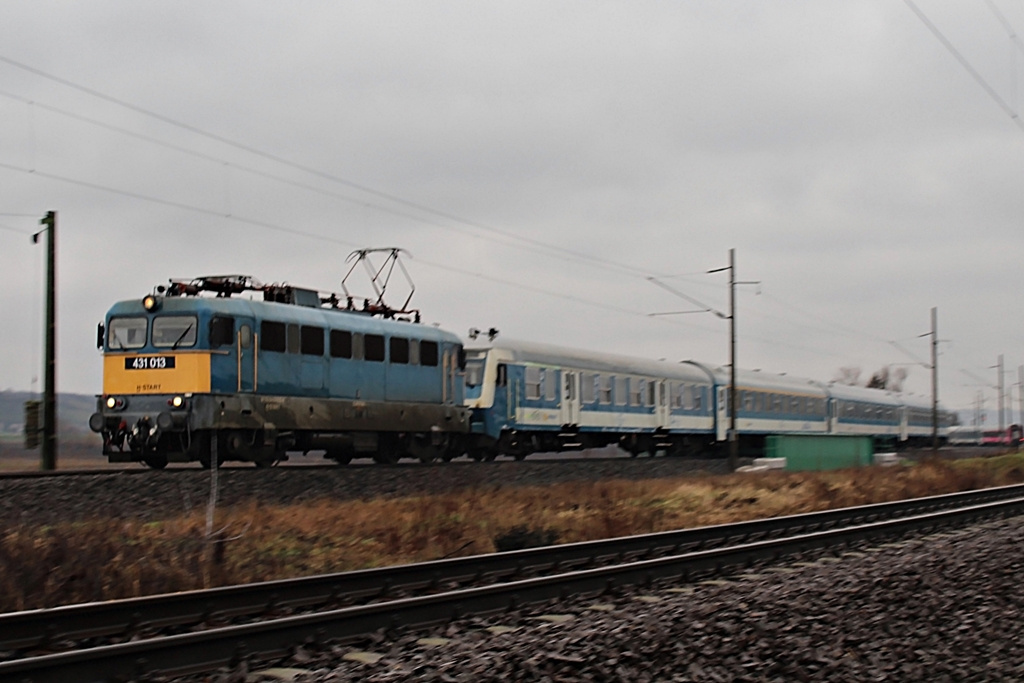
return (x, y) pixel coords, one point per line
(820, 452)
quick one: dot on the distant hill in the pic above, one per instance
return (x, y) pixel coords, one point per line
(73, 411)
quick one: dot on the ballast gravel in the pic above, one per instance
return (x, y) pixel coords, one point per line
(151, 495)
(945, 607)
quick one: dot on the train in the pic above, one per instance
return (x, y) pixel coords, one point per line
(195, 372)
(974, 435)
(528, 397)
(225, 368)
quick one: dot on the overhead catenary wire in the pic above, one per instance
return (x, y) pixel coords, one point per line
(390, 197)
(251, 149)
(965, 64)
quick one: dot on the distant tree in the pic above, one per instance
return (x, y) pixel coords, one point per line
(887, 378)
(848, 375)
(880, 379)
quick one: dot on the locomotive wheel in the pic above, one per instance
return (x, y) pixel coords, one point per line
(385, 457)
(340, 455)
(157, 461)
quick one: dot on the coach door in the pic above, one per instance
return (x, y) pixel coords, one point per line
(570, 397)
(721, 416)
(245, 347)
(662, 406)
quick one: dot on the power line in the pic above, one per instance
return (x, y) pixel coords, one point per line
(10, 229)
(965, 64)
(606, 263)
(316, 236)
(263, 174)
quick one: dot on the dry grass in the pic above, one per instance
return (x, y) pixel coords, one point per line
(106, 559)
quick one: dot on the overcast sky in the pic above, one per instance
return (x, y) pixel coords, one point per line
(539, 161)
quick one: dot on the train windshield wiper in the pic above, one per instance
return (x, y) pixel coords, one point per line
(182, 336)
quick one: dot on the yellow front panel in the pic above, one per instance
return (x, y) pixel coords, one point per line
(190, 374)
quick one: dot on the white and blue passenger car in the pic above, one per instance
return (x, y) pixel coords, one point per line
(528, 397)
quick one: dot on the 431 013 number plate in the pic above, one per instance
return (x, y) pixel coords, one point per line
(149, 363)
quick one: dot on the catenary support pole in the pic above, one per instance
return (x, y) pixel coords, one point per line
(49, 450)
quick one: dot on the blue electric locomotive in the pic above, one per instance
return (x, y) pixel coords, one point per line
(197, 372)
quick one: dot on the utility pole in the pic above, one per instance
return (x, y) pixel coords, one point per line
(1002, 394)
(1020, 392)
(733, 436)
(733, 433)
(935, 379)
(49, 451)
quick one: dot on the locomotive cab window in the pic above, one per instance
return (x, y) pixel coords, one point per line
(428, 353)
(222, 331)
(272, 336)
(341, 344)
(175, 331)
(399, 350)
(312, 340)
(126, 333)
(373, 347)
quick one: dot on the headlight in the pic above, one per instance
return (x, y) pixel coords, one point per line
(116, 403)
(177, 402)
(151, 302)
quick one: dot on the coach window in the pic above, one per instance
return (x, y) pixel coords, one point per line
(373, 347)
(621, 391)
(636, 391)
(222, 331)
(502, 379)
(532, 383)
(293, 338)
(428, 353)
(587, 382)
(272, 336)
(312, 341)
(174, 330)
(399, 350)
(652, 386)
(341, 344)
(551, 385)
(606, 390)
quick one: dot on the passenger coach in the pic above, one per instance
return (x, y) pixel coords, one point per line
(528, 398)
(194, 368)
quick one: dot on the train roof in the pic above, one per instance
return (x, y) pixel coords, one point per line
(548, 354)
(845, 392)
(338, 318)
(766, 381)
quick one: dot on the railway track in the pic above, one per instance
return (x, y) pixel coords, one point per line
(599, 456)
(202, 630)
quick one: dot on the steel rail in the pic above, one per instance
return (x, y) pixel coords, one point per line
(41, 629)
(204, 651)
(119, 655)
